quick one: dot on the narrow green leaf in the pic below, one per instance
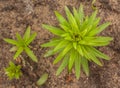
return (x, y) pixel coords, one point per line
(77, 66)
(94, 59)
(99, 29)
(88, 23)
(31, 54)
(51, 43)
(85, 31)
(54, 30)
(81, 14)
(61, 44)
(93, 26)
(11, 41)
(19, 51)
(79, 49)
(92, 18)
(63, 65)
(71, 59)
(85, 52)
(11, 64)
(85, 66)
(75, 45)
(96, 41)
(66, 28)
(49, 53)
(14, 48)
(52, 52)
(64, 52)
(100, 39)
(84, 24)
(42, 79)
(17, 76)
(77, 17)
(59, 57)
(27, 34)
(71, 20)
(31, 38)
(95, 23)
(99, 54)
(92, 56)
(61, 19)
(20, 40)
(67, 36)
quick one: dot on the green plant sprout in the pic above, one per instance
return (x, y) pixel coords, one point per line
(13, 71)
(42, 79)
(76, 40)
(93, 7)
(22, 44)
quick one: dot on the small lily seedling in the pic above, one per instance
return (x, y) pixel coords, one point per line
(76, 40)
(22, 44)
(13, 71)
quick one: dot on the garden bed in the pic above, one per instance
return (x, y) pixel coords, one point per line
(16, 15)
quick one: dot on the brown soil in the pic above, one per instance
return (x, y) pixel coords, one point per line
(16, 15)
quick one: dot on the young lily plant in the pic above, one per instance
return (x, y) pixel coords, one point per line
(22, 44)
(76, 40)
(13, 71)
